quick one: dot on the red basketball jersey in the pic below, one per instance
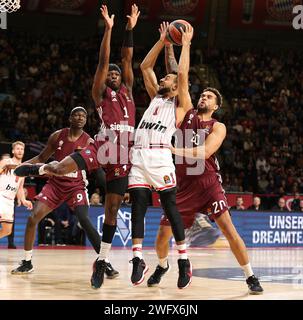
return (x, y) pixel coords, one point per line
(64, 148)
(194, 133)
(117, 114)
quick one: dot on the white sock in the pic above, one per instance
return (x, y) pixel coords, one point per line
(163, 262)
(247, 270)
(28, 255)
(41, 170)
(182, 251)
(137, 251)
(104, 250)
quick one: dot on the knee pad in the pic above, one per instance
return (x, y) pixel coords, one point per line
(139, 199)
(168, 201)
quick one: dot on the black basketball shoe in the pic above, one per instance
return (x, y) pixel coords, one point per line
(185, 273)
(27, 170)
(139, 270)
(254, 286)
(24, 267)
(111, 273)
(155, 278)
(97, 277)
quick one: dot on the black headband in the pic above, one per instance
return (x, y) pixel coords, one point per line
(114, 67)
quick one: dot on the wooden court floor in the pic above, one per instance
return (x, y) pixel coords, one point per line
(64, 274)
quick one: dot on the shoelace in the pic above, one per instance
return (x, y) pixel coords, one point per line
(109, 266)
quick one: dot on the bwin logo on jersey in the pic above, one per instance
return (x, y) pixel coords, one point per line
(10, 188)
(153, 125)
(123, 230)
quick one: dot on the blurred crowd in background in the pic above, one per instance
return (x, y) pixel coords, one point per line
(43, 78)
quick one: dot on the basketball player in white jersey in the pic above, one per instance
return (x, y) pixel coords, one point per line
(10, 187)
(152, 158)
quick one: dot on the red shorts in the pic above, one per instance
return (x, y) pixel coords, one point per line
(112, 157)
(204, 195)
(53, 195)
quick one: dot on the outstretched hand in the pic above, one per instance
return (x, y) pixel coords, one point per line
(109, 21)
(27, 204)
(163, 32)
(133, 17)
(187, 34)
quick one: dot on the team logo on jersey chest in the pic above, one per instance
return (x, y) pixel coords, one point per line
(207, 129)
(60, 144)
(127, 97)
(190, 118)
(114, 94)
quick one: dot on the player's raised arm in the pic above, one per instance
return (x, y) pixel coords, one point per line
(210, 146)
(184, 98)
(170, 59)
(127, 49)
(47, 151)
(104, 54)
(147, 65)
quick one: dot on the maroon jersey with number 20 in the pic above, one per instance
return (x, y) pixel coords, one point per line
(199, 185)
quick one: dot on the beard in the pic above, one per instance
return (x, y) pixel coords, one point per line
(114, 86)
(203, 108)
(163, 91)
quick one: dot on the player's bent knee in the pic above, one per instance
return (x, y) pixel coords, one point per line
(34, 220)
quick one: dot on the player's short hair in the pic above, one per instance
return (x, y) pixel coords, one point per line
(18, 143)
(114, 67)
(217, 94)
(78, 108)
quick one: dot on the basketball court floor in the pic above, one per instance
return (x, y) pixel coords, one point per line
(64, 274)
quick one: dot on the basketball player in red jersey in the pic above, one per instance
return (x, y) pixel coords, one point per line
(70, 188)
(200, 189)
(115, 105)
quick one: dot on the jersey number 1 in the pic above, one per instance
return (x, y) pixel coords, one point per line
(125, 113)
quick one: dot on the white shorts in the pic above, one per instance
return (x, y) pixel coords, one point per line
(152, 168)
(6, 210)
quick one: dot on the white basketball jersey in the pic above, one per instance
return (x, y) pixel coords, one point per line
(158, 123)
(9, 184)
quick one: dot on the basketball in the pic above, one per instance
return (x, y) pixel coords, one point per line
(174, 34)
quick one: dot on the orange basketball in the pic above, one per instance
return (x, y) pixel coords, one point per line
(174, 34)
